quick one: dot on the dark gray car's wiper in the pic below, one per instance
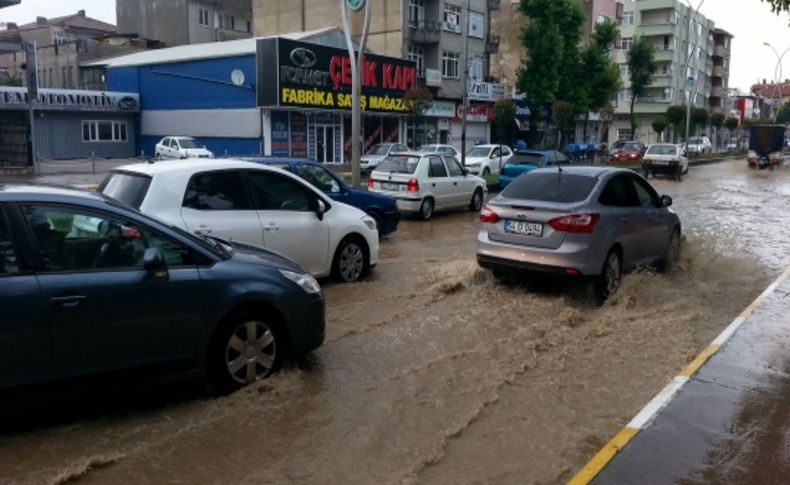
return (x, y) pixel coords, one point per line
(221, 245)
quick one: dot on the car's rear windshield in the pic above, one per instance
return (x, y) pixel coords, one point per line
(379, 150)
(662, 150)
(126, 187)
(399, 164)
(531, 158)
(551, 186)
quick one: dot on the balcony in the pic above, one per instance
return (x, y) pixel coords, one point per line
(721, 51)
(662, 54)
(492, 44)
(662, 81)
(493, 5)
(221, 35)
(718, 71)
(657, 29)
(716, 92)
(425, 31)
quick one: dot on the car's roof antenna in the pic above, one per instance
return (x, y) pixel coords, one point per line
(559, 181)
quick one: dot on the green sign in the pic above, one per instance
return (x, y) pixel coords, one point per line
(355, 5)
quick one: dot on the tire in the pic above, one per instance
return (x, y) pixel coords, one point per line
(426, 209)
(351, 261)
(486, 171)
(238, 358)
(477, 201)
(672, 253)
(678, 174)
(158, 156)
(610, 275)
(687, 170)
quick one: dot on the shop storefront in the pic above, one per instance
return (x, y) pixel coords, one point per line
(433, 126)
(478, 124)
(307, 103)
(68, 124)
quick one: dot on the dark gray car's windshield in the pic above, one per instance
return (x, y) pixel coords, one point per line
(399, 164)
(379, 150)
(126, 187)
(551, 186)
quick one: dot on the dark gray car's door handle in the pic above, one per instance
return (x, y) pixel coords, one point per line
(67, 301)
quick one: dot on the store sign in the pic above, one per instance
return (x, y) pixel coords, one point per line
(70, 100)
(303, 75)
(441, 109)
(475, 112)
(522, 110)
(433, 77)
(479, 91)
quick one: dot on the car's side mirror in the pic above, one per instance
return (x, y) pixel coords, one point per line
(466, 172)
(154, 262)
(666, 201)
(320, 209)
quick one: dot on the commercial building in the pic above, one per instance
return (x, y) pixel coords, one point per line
(285, 95)
(180, 22)
(677, 34)
(433, 34)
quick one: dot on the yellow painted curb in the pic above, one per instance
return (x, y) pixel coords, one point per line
(701, 358)
(603, 457)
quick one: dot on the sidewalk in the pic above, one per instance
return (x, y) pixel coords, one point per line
(724, 419)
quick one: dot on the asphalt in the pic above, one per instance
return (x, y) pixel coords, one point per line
(730, 422)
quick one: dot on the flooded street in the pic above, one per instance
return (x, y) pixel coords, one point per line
(433, 371)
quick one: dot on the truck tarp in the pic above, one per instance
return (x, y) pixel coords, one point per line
(766, 139)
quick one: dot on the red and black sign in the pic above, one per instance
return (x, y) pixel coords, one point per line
(304, 75)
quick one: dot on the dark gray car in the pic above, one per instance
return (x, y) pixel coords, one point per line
(578, 221)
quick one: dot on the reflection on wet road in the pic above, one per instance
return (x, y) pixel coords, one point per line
(434, 372)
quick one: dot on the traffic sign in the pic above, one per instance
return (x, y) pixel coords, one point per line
(355, 5)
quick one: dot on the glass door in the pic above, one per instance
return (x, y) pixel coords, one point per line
(325, 144)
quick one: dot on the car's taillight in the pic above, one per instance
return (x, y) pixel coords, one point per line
(370, 184)
(488, 216)
(579, 223)
(413, 185)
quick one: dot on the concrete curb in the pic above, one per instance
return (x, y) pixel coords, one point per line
(663, 398)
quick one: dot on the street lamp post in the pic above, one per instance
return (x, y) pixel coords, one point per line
(777, 77)
(691, 94)
(465, 87)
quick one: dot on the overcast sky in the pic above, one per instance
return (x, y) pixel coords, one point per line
(751, 21)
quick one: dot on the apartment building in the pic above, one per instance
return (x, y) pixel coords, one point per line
(180, 22)
(688, 57)
(433, 34)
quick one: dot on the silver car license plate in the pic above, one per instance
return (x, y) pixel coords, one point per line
(524, 228)
(389, 186)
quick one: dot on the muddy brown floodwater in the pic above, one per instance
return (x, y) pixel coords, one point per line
(434, 372)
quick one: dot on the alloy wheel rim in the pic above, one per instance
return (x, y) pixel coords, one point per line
(352, 260)
(250, 352)
(478, 201)
(427, 208)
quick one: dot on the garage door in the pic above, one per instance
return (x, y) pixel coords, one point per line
(475, 133)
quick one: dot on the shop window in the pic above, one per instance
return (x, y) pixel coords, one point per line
(104, 131)
(450, 64)
(452, 18)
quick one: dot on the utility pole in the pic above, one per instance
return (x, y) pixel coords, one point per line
(465, 86)
(356, 90)
(778, 79)
(691, 94)
(31, 66)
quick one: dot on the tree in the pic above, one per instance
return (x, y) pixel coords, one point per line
(565, 116)
(731, 123)
(698, 117)
(783, 116)
(551, 38)
(642, 65)
(717, 120)
(676, 115)
(659, 125)
(777, 6)
(417, 102)
(9, 79)
(504, 113)
(601, 75)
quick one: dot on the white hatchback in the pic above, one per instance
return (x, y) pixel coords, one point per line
(254, 204)
(180, 147)
(421, 183)
(487, 159)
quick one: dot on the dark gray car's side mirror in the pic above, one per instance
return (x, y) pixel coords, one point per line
(666, 201)
(154, 261)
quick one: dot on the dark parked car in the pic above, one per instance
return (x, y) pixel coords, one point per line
(380, 207)
(524, 161)
(89, 285)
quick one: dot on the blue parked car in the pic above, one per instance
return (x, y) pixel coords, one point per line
(89, 285)
(524, 161)
(381, 208)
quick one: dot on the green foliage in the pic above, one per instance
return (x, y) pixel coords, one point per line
(783, 116)
(777, 6)
(601, 76)
(504, 112)
(565, 116)
(676, 114)
(417, 101)
(659, 125)
(731, 123)
(642, 64)
(699, 116)
(717, 120)
(8, 79)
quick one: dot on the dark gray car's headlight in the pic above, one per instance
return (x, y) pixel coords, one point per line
(304, 280)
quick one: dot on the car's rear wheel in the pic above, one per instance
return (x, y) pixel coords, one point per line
(609, 280)
(246, 349)
(351, 260)
(426, 209)
(477, 201)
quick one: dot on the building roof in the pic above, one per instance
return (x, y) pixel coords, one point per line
(772, 90)
(332, 36)
(76, 21)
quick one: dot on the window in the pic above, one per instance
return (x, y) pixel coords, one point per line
(8, 262)
(216, 191)
(452, 18)
(276, 192)
(619, 192)
(203, 17)
(319, 177)
(551, 187)
(627, 18)
(436, 168)
(129, 188)
(626, 43)
(623, 134)
(601, 19)
(624, 95)
(454, 167)
(645, 194)
(104, 131)
(475, 68)
(71, 83)
(450, 64)
(417, 13)
(625, 70)
(476, 23)
(249, 26)
(227, 22)
(417, 54)
(669, 43)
